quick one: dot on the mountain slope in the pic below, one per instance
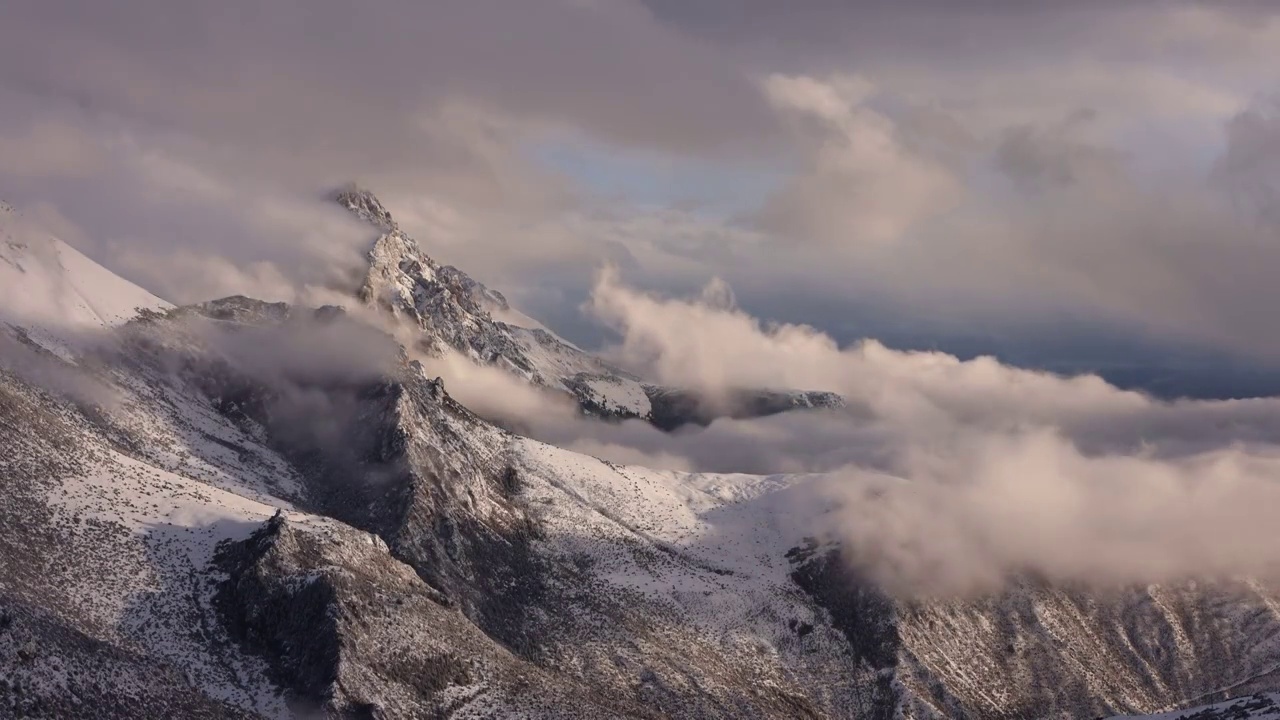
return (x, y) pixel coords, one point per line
(201, 443)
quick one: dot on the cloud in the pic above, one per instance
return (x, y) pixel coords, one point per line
(896, 129)
(1047, 158)
(42, 369)
(353, 78)
(155, 126)
(1249, 169)
(303, 349)
(863, 186)
(969, 519)
(50, 148)
(946, 476)
(1040, 223)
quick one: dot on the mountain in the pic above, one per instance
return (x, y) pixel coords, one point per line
(55, 293)
(241, 509)
(431, 563)
(456, 312)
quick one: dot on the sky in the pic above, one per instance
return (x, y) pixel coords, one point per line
(741, 193)
(1067, 184)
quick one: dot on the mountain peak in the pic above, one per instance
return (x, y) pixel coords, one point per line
(366, 206)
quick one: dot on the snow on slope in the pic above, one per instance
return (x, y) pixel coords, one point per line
(705, 555)
(716, 556)
(683, 584)
(553, 358)
(174, 525)
(54, 291)
(616, 395)
(116, 547)
(156, 481)
(704, 512)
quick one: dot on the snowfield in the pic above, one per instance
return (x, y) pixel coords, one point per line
(55, 293)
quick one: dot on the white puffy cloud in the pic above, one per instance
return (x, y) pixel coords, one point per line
(862, 186)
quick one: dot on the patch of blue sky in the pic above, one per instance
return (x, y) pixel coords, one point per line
(724, 187)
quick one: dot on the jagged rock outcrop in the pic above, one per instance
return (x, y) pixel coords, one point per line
(670, 409)
(354, 633)
(366, 206)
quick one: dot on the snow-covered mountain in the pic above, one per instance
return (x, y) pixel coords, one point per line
(241, 509)
(456, 312)
(54, 293)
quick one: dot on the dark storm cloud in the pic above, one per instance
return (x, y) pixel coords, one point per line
(931, 28)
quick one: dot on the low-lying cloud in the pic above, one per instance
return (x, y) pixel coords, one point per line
(944, 475)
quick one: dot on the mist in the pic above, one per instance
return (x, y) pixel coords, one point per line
(938, 476)
(39, 368)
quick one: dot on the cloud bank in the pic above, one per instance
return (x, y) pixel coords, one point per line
(950, 476)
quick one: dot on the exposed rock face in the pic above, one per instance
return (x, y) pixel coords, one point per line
(1037, 650)
(671, 409)
(366, 206)
(354, 633)
(861, 612)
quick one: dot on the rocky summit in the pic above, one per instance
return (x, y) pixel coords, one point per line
(456, 313)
